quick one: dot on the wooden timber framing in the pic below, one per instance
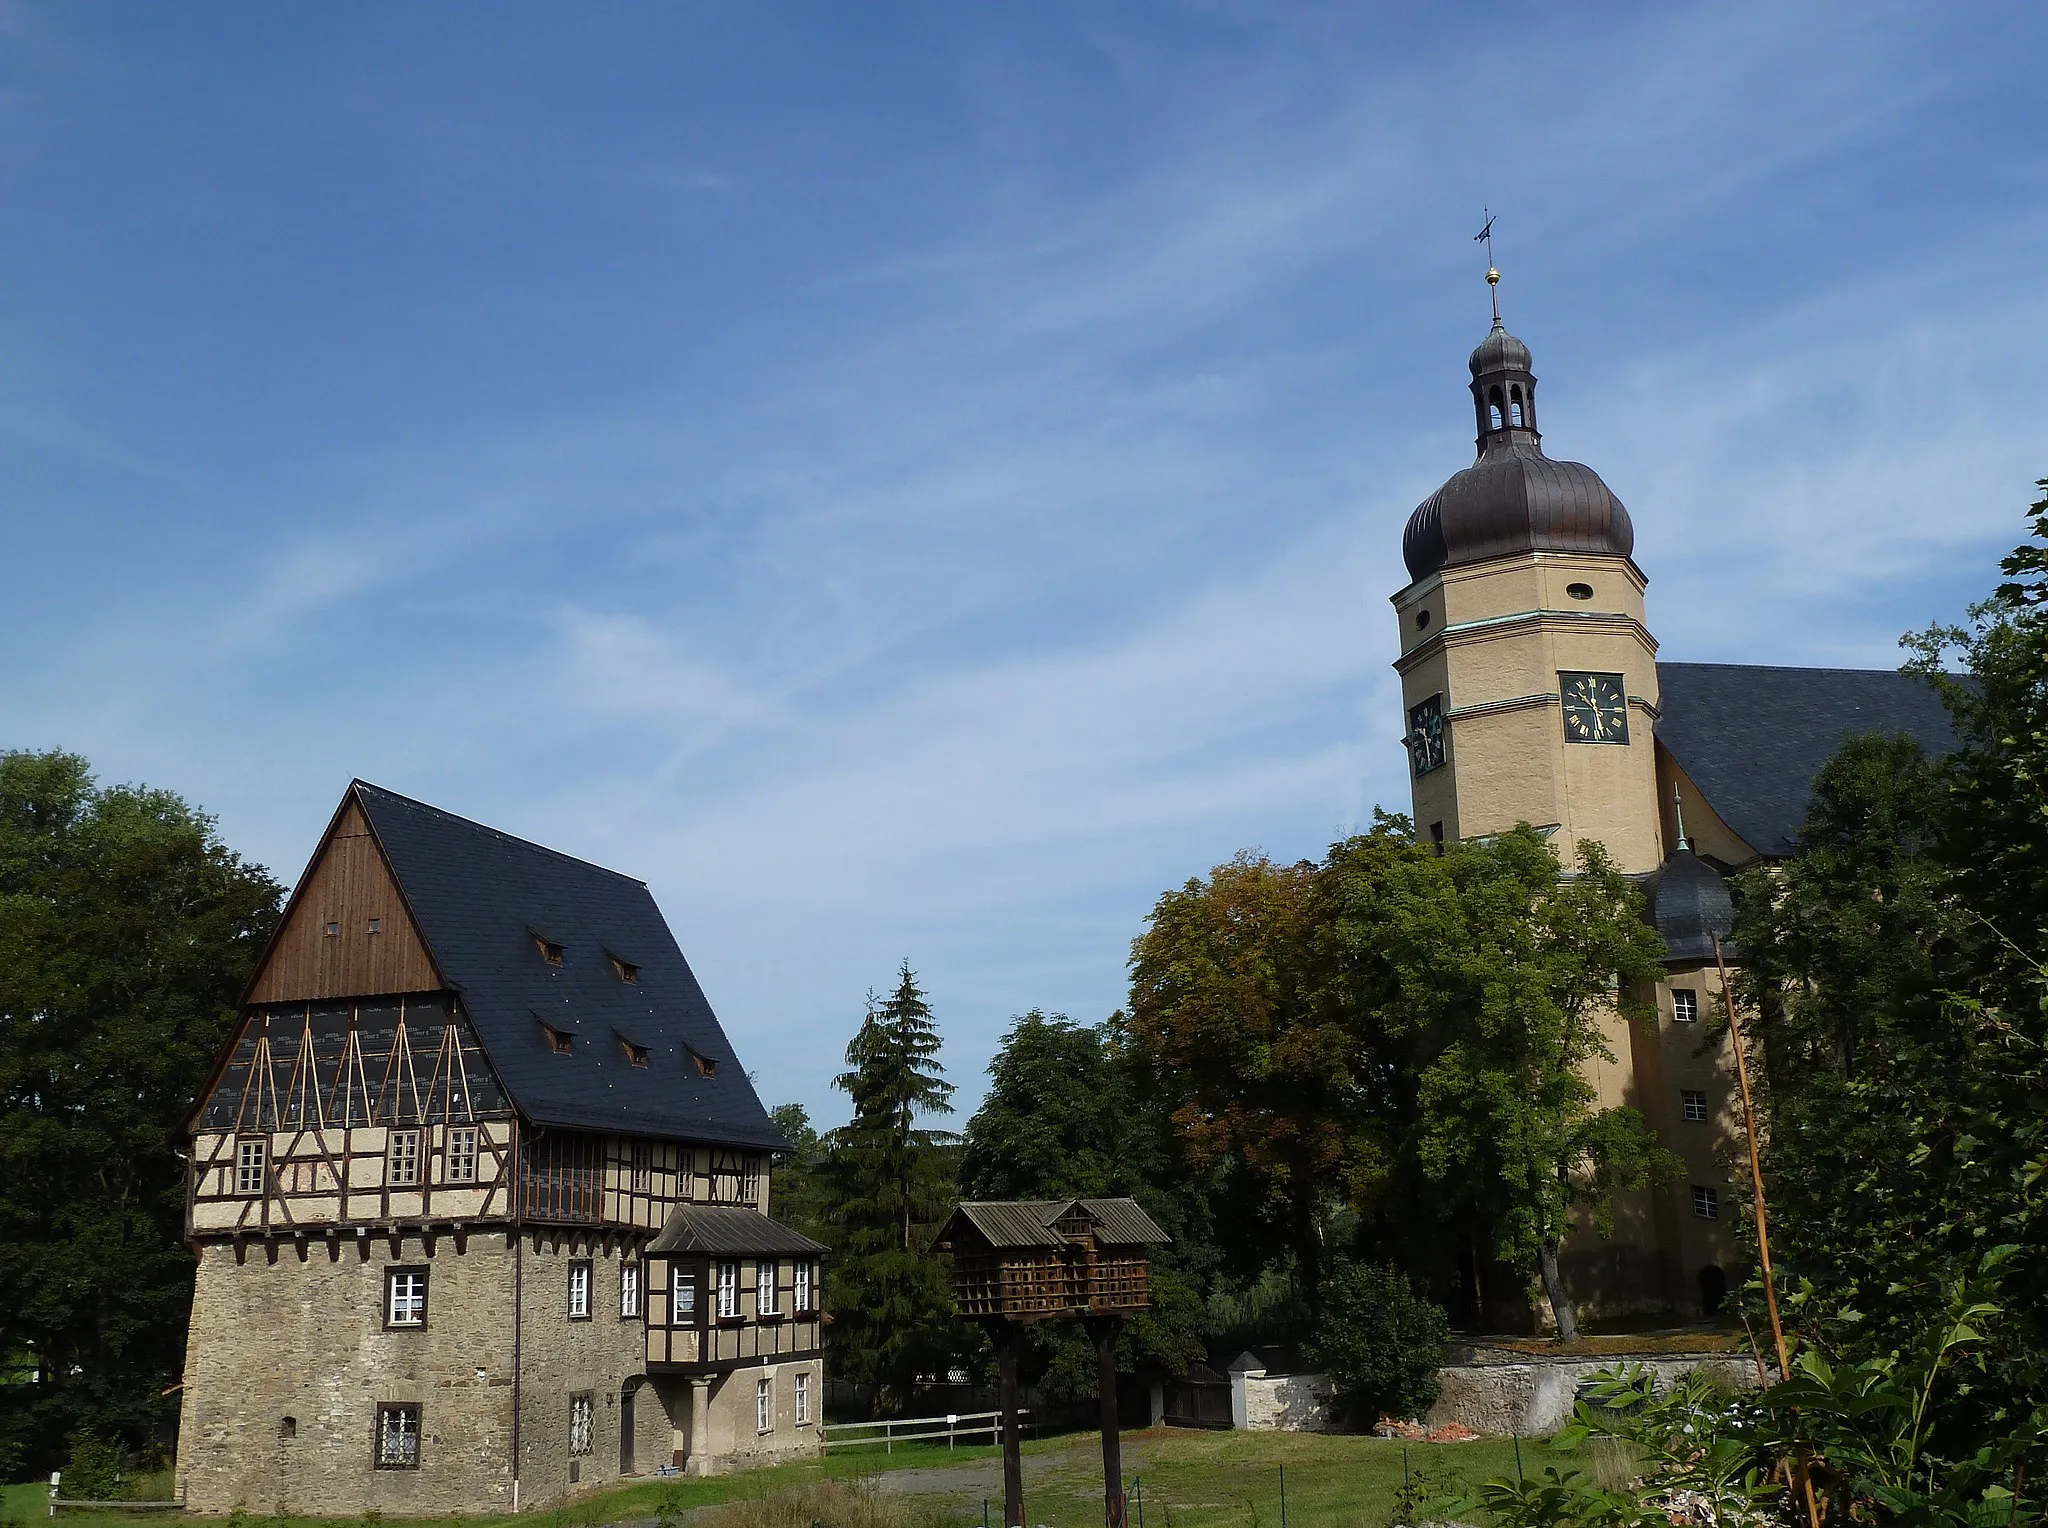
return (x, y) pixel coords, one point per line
(707, 1343)
(1036, 1260)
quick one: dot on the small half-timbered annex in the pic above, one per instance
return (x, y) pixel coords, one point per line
(474, 1086)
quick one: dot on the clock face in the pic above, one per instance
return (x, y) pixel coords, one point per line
(1426, 735)
(1595, 708)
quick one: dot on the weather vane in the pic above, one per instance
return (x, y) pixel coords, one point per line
(1485, 236)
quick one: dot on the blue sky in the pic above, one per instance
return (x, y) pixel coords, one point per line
(919, 480)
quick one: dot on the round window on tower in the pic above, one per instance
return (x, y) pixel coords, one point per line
(1579, 591)
(1421, 620)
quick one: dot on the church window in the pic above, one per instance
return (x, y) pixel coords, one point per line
(398, 1436)
(1695, 1105)
(1685, 1006)
(1515, 407)
(579, 1290)
(1705, 1203)
(405, 1297)
(582, 1425)
(629, 1290)
(249, 1155)
(461, 1158)
(402, 1157)
(1579, 591)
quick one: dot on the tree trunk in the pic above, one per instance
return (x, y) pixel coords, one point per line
(1308, 1250)
(1560, 1302)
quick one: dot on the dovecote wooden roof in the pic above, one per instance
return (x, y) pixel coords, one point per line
(1033, 1222)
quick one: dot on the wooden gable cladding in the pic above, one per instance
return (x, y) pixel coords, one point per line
(374, 947)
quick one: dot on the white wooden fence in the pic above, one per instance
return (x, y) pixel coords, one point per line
(955, 1427)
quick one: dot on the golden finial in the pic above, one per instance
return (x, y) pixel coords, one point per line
(1485, 236)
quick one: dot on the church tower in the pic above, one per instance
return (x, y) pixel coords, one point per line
(1528, 673)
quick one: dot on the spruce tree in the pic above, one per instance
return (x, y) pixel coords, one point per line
(889, 1182)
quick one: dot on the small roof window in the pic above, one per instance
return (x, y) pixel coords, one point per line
(706, 1067)
(636, 1054)
(549, 950)
(560, 1041)
(625, 970)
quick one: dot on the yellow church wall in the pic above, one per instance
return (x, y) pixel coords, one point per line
(1711, 837)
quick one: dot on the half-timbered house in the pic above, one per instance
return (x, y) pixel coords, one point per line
(479, 1195)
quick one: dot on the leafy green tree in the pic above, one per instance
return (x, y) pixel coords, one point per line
(887, 1183)
(1483, 979)
(1065, 1117)
(127, 931)
(796, 1190)
(1380, 1342)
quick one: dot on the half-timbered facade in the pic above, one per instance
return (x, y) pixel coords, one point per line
(475, 1105)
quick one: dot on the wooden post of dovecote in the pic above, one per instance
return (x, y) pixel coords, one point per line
(1052, 1259)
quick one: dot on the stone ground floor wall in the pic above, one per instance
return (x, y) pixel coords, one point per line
(288, 1360)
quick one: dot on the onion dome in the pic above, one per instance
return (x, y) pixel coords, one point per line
(1513, 498)
(1690, 906)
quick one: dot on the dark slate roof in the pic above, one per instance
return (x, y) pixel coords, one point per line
(1030, 1222)
(1689, 903)
(1753, 738)
(480, 896)
(725, 1228)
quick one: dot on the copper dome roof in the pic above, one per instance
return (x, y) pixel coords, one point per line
(1514, 498)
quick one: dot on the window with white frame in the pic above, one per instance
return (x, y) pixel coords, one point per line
(764, 1406)
(1695, 1104)
(1685, 1006)
(405, 1297)
(579, 1291)
(803, 1286)
(728, 1290)
(750, 1179)
(643, 1166)
(398, 1436)
(682, 1299)
(764, 1287)
(582, 1425)
(402, 1159)
(460, 1162)
(250, 1152)
(1705, 1203)
(800, 1398)
(629, 1290)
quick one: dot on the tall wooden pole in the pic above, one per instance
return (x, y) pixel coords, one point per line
(1756, 1183)
(1104, 1329)
(1007, 1341)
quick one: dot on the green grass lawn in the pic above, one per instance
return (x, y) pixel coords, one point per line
(1212, 1479)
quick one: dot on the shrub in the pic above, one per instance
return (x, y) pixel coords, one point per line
(95, 1469)
(1379, 1342)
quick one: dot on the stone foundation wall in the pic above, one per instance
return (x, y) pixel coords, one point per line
(1534, 1398)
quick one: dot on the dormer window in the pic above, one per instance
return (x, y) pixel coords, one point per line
(706, 1067)
(625, 970)
(549, 950)
(559, 1040)
(636, 1054)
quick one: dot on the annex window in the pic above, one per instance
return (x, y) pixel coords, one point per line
(1685, 1006)
(405, 1297)
(764, 1287)
(250, 1152)
(559, 1040)
(802, 1299)
(1695, 1104)
(402, 1159)
(643, 1163)
(800, 1398)
(764, 1405)
(461, 1158)
(629, 1290)
(1705, 1203)
(398, 1436)
(682, 1299)
(549, 950)
(728, 1290)
(579, 1290)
